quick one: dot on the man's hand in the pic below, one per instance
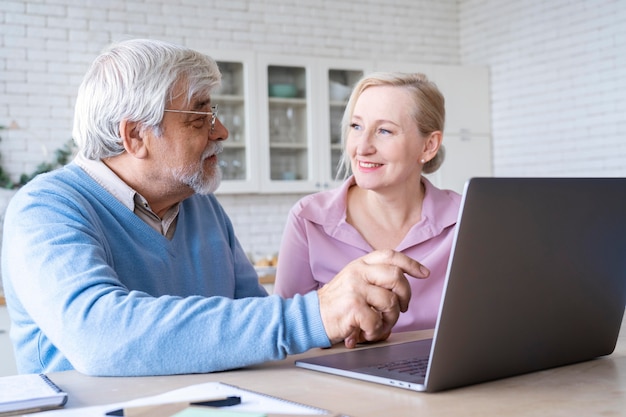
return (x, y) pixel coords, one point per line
(364, 300)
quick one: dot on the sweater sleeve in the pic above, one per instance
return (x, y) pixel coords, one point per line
(70, 311)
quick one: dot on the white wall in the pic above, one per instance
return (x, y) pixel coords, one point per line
(558, 90)
(46, 46)
(558, 83)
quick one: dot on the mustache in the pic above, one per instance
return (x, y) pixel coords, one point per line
(214, 148)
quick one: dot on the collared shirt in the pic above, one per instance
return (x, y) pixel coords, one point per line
(318, 242)
(125, 194)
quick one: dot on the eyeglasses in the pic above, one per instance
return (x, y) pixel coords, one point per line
(212, 113)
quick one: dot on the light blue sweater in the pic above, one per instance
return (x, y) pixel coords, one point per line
(91, 287)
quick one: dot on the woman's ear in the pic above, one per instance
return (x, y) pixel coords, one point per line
(132, 136)
(432, 145)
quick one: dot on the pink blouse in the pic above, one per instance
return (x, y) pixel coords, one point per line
(318, 242)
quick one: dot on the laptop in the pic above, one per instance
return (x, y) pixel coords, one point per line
(536, 279)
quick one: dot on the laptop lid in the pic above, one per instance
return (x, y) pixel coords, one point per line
(536, 279)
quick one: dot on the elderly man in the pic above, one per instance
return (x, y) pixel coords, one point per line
(124, 263)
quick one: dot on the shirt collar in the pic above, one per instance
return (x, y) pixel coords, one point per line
(130, 198)
(104, 176)
(440, 209)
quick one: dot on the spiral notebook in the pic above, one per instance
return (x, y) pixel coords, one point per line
(29, 393)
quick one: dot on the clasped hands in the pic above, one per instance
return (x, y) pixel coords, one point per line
(364, 300)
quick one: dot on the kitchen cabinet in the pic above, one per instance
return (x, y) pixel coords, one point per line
(286, 98)
(284, 116)
(300, 109)
(236, 100)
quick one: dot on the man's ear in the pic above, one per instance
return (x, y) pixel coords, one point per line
(132, 136)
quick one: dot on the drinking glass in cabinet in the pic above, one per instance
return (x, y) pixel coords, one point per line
(232, 164)
(340, 85)
(231, 116)
(287, 106)
(232, 101)
(336, 114)
(286, 121)
(236, 130)
(288, 164)
(232, 78)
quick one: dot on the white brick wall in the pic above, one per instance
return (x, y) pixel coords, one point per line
(259, 220)
(558, 83)
(557, 69)
(46, 46)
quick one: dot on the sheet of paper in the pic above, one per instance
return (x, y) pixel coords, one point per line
(208, 412)
(250, 401)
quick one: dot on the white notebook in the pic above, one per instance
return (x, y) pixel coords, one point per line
(29, 393)
(252, 402)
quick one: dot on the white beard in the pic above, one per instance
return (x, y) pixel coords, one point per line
(197, 179)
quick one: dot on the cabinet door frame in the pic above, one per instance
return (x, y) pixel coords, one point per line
(251, 143)
(267, 184)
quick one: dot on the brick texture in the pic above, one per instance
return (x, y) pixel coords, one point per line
(557, 87)
(557, 83)
(46, 46)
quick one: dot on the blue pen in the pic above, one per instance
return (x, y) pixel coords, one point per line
(225, 402)
(218, 402)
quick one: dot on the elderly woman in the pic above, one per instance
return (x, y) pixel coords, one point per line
(392, 133)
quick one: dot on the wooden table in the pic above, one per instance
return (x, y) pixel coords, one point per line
(596, 387)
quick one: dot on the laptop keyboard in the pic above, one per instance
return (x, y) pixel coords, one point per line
(413, 366)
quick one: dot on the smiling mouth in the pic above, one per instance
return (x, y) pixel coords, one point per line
(369, 164)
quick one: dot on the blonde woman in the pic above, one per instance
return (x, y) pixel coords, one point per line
(392, 132)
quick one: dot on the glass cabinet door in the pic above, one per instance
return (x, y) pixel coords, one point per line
(284, 120)
(284, 117)
(231, 111)
(340, 84)
(236, 111)
(287, 122)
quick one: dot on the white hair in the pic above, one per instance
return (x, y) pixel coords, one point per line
(133, 80)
